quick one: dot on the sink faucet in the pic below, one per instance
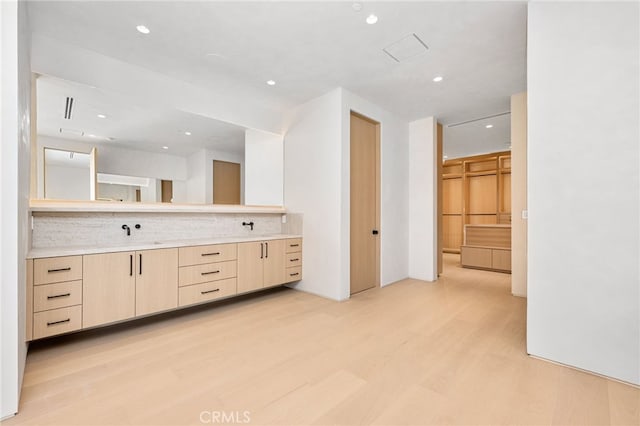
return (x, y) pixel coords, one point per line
(127, 229)
(248, 224)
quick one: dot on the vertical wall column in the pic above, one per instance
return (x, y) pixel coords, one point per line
(423, 180)
(584, 186)
(519, 194)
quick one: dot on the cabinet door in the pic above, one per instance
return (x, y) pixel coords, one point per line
(250, 269)
(274, 262)
(108, 288)
(156, 280)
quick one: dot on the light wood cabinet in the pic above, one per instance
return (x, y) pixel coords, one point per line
(487, 247)
(261, 264)
(57, 269)
(118, 286)
(476, 190)
(108, 288)
(71, 293)
(156, 280)
(293, 261)
(207, 273)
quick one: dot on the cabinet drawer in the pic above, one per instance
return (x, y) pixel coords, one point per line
(57, 321)
(198, 255)
(57, 269)
(188, 275)
(293, 274)
(54, 296)
(501, 259)
(206, 292)
(294, 244)
(293, 259)
(475, 257)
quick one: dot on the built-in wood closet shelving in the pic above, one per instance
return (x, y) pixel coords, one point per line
(476, 190)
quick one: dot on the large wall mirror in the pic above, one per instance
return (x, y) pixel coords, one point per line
(96, 145)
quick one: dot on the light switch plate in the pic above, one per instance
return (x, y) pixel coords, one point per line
(525, 214)
(284, 218)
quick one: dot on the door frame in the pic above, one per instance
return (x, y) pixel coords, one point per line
(377, 196)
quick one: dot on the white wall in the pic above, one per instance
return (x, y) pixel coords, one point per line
(317, 183)
(584, 191)
(67, 183)
(423, 244)
(15, 94)
(264, 168)
(312, 185)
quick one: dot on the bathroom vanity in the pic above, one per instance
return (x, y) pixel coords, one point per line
(76, 287)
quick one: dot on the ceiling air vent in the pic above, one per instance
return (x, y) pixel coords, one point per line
(71, 132)
(68, 108)
(406, 48)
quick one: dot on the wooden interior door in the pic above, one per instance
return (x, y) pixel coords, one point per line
(167, 190)
(226, 182)
(365, 252)
(108, 288)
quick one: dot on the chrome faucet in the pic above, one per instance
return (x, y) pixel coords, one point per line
(127, 229)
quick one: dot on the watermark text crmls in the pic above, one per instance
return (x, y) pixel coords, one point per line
(225, 417)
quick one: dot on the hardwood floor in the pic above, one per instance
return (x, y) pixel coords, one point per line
(451, 352)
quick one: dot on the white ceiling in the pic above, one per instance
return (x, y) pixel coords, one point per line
(309, 48)
(128, 125)
(475, 138)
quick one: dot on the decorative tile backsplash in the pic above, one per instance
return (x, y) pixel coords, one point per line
(52, 230)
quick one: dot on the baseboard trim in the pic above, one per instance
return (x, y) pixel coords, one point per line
(585, 371)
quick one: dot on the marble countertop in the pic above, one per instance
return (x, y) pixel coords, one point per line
(80, 250)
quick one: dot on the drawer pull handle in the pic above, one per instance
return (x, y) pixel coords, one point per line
(294, 260)
(59, 270)
(294, 245)
(58, 322)
(58, 295)
(210, 254)
(210, 291)
(294, 274)
(209, 273)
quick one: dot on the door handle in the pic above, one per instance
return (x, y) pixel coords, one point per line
(375, 232)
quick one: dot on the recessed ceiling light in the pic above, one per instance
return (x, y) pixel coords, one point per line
(187, 133)
(437, 79)
(488, 126)
(102, 116)
(165, 147)
(142, 29)
(357, 6)
(372, 19)
(271, 82)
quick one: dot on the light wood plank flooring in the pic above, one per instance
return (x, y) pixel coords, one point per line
(451, 352)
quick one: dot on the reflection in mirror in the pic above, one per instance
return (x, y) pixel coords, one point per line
(69, 175)
(151, 153)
